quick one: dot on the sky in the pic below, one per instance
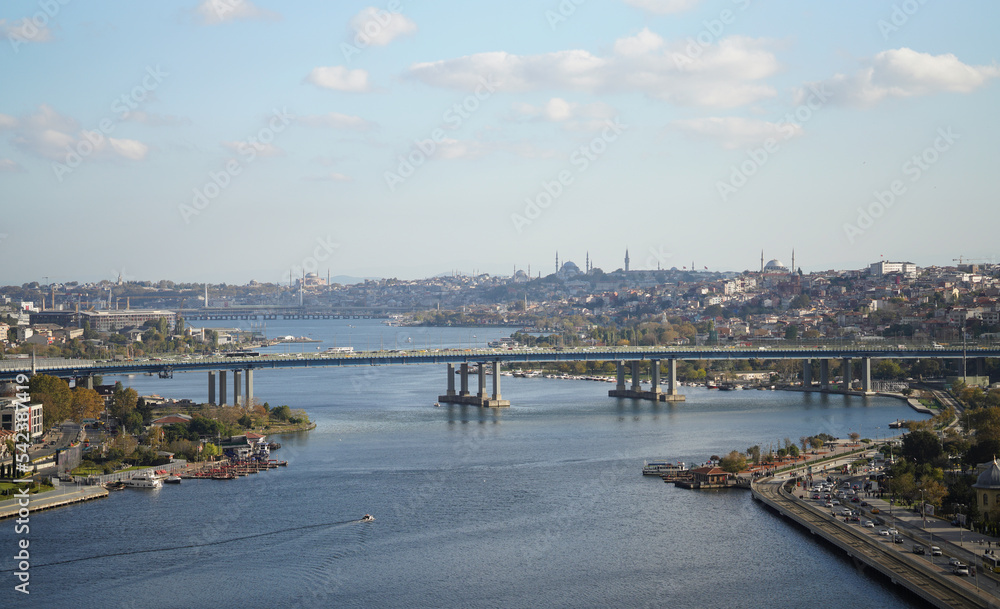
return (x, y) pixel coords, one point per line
(226, 141)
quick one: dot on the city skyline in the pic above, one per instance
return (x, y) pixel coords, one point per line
(229, 140)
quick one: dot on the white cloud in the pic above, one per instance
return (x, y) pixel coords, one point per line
(902, 73)
(259, 148)
(49, 135)
(663, 7)
(725, 74)
(7, 121)
(336, 120)
(571, 115)
(736, 132)
(9, 166)
(378, 27)
(340, 78)
(24, 30)
(214, 12)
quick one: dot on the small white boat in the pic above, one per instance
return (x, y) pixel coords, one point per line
(143, 481)
(368, 518)
(172, 479)
(437, 405)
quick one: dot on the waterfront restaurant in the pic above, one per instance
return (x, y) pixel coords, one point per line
(709, 475)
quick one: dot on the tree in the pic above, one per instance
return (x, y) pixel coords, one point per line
(55, 396)
(85, 404)
(791, 332)
(123, 403)
(921, 446)
(854, 436)
(733, 462)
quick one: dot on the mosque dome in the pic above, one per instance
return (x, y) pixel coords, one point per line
(990, 478)
(569, 268)
(775, 266)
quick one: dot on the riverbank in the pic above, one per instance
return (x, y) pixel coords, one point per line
(52, 499)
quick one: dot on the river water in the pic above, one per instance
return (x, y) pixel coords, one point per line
(539, 505)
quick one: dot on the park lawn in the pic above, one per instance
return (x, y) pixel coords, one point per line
(39, 488)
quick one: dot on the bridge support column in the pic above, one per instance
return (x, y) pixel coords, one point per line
(655, 376)
(636, 385)
(222, 387)
(90, 381)
(866, 375)
(482, 398)
(672, 381)
(620, 366)
(211, 387)
(807, 373)
(980, 366)
(237, 389)
(496, 380)
(824, 374)
(249, 386)
(848, 373)
(464, 374)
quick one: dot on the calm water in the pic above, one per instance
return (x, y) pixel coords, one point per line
(539, 505)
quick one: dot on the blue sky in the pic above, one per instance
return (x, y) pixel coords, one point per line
(229, 140)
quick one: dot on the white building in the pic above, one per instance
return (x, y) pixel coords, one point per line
(7, 420)
(885, 267)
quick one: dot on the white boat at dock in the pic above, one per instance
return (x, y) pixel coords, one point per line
(143, 481)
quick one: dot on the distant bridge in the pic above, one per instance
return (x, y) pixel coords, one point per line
(240, 366)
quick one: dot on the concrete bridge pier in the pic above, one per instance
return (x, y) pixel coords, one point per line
(481, 399)
(824, 375)
(237, 389)
(656, 393)
(211, 387)
(90, 381)
(451, 381)
(807, 373)
(249, 386)
(845, 367)
(464, 376)
(222, 387)
(866, 375)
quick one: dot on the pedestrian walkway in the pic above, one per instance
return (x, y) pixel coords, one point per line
(51, 499)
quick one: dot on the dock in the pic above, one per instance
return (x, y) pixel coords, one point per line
(52, 499)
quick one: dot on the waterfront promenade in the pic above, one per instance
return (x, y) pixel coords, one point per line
(926, 576)
(59, 497)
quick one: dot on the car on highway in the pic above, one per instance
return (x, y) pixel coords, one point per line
(935, 551)
(893, 532)
(897, 539)
(868, 524)
(919, 550)
(954, 562)
(884, 532)
(875, 510)
(962, 570)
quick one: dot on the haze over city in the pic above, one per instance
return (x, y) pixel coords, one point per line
(233, 140)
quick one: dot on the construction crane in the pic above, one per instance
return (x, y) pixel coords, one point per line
(960, 259)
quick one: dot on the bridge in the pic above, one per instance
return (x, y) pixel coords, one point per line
(627, 359)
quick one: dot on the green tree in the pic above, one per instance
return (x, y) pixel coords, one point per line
(733, 462)
(123, 403)
(55, 396)
(921, 446)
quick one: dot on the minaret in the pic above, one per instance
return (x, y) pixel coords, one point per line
(626, 260)
(761, 261)
(557, 261)
(586, 265)
(206, 295)
(793, 261)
